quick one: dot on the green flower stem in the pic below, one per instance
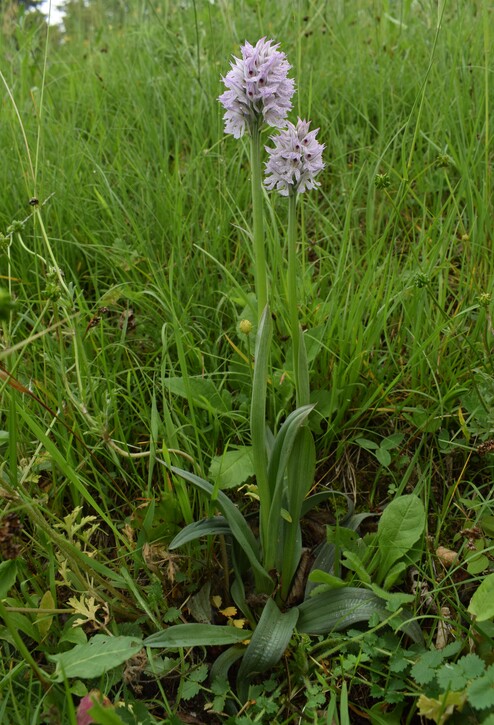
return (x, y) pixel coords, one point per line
(258, 424)
(299, 359)
(257, 221)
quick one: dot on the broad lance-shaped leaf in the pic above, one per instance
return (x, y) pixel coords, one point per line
(268, 644)
(300, 477)
(8, 575)
(338, 609)
(101, 654)
(221, 666)
(217, 525)
(482, 602)
(196, 635)
(240, 529)
(278, 463)
(400, 527)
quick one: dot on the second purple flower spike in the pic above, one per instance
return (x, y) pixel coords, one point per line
(295, 160)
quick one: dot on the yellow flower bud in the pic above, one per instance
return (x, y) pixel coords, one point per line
(245, 327)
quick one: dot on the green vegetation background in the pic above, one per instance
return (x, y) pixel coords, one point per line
(136, 265)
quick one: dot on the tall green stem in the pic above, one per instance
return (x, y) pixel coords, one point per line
(258, 227)
(300, 370)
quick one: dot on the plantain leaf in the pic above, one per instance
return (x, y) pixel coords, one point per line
(482, 602)
(196, 635)
(203, 391)
(101, 654)
(267, 646)
(233, 467)
(400, 527)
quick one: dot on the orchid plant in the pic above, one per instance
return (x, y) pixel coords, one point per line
(258, 95)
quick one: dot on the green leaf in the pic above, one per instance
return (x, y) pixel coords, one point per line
(400, 527)
(282, 450)
(268, 644)
(221, 665)
(477, 563)
(394, 574)
(8, 575)
(472, 665)
(196, 635)
(22, 623)
(480, 693)
(300, 471)
(424, 669)
(240, 529)
(203, 391)
(101, 654)
(383, 456)
(299, 479)
(322, 577)
(233, 467)
(482, 602)
(217, 525)
(394, 600)
(392, 441)
(367, 444)
(487, 524)
(189, 689)
(192, 685)
(450, 676)
(199, 605)
(336, 610)
(353, 562)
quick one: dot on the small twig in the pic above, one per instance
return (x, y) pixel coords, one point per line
(144, 454)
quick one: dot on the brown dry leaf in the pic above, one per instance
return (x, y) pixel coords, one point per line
(444, 628)
(156, 557)
(447, 557)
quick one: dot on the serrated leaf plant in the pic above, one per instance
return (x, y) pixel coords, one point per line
(259, 94)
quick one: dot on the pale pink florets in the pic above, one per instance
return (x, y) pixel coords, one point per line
(295, 160)
(259, 90)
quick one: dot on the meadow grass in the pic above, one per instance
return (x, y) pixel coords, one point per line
(122, 350)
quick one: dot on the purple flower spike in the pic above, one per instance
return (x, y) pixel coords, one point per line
(258, 88)
(295, 160)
